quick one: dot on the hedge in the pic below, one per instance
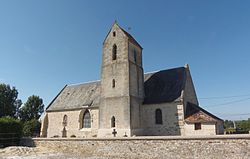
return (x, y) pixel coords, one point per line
(10, 131)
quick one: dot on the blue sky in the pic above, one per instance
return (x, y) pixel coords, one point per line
(47, 44)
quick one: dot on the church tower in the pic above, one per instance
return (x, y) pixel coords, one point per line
(122, 81)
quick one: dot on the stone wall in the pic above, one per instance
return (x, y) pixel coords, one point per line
(189, 90)
(74, 123)
(120, 90)
(170, 119)
(115, 100)
(216, 147)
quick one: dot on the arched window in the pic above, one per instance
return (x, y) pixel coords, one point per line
(113, 83)
(112, 122)
(65, 120)
(114, 52)
(86, 123)
(158, 116)
(114, 33)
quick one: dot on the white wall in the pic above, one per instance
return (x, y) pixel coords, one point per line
(206, 129)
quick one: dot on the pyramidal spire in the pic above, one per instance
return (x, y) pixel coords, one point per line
(116, 22)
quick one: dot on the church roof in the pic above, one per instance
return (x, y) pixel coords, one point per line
(164, 86)
(194, 113)
(160, 87)
(76, 96)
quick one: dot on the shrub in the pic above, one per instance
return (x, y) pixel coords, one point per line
(10, 131)
(31, 128)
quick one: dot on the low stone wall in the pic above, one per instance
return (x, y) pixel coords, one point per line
(216, 147)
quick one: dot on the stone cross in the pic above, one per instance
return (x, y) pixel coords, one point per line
(114, 132)
(125, 135)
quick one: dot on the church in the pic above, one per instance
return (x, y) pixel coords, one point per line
(127, 102)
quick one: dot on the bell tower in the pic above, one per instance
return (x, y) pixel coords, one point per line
(122, 85)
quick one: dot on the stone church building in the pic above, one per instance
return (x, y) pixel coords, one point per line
(127, 101)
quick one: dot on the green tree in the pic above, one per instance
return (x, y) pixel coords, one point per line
(32, 109)
(243, 125)
(228, 124)
(9, 104)
(31, 128)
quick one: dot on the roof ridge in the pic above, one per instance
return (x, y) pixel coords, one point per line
(83, 83)
(151, 72)
(163, 70)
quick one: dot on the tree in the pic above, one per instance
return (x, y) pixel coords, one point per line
(243, 125)
(31, 128)
(9, 104)
(228, 124)
(32, 109)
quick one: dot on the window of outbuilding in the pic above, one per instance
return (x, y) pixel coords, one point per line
(158, 116)
(197, 126)
(86, 120)
(112, 122)
(114, 33)
(114, 52)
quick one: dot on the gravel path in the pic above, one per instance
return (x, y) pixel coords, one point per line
(19, 152)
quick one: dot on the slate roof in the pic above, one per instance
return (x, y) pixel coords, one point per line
(160, 87)
(164, 86)
(194, 113)
(76, 96)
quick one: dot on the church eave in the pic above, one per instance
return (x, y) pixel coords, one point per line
(200, 121)
(73, 109)
(177, 100)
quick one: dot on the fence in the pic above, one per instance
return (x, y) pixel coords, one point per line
(9, 139)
